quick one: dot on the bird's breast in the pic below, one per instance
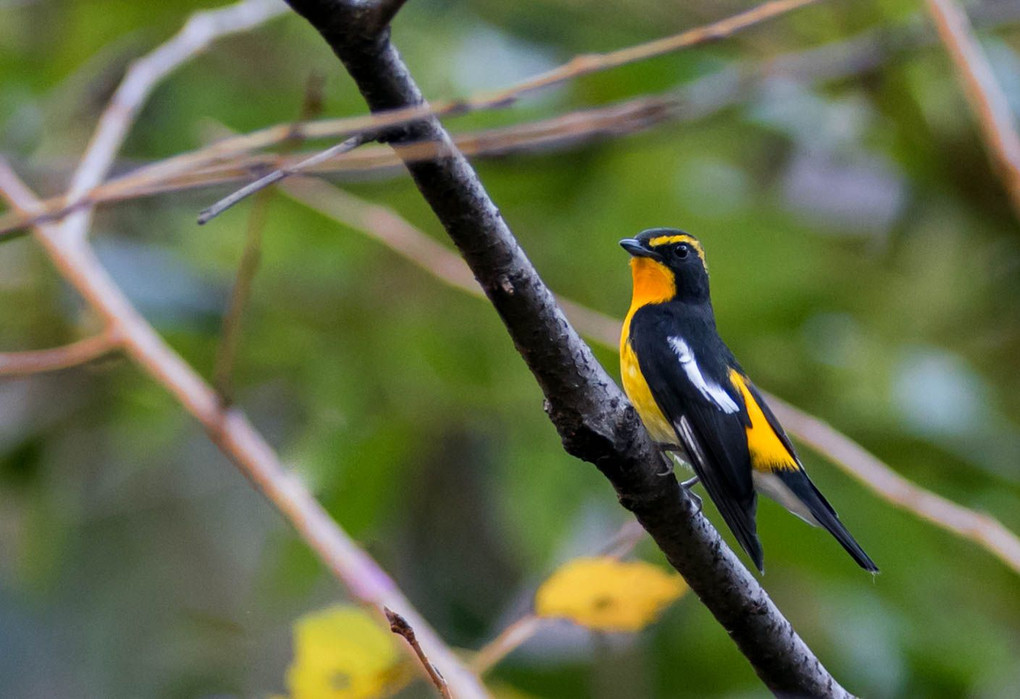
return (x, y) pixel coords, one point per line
(641, 397)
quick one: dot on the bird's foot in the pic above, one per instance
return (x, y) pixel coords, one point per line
(697, 502)
(687, 485)
(669, 466)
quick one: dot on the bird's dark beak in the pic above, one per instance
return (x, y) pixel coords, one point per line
(635, 248)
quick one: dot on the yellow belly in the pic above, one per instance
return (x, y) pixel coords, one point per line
(640, 395)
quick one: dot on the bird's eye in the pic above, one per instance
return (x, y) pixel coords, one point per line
(681, 251)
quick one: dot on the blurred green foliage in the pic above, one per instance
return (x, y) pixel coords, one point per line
(865, 266)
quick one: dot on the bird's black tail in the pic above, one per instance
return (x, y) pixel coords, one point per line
(738, 512)
(737, 504)
(741, 522)
(805, 491)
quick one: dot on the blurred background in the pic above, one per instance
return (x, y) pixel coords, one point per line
(865, 264)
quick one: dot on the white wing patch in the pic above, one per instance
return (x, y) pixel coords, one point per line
(712, 391)
(690, 442)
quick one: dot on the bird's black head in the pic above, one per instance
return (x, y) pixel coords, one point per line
(664, 258)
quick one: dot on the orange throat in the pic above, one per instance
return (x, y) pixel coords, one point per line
(653, 283)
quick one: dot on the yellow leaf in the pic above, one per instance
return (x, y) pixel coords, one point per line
(341, 653)
(607, 594)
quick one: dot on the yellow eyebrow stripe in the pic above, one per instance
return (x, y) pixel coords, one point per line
(683, 238)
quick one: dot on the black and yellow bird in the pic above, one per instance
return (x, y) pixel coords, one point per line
(696, 401)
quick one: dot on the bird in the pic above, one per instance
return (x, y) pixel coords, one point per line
(697, 402)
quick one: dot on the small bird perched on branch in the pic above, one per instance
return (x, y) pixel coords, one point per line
(697, 402)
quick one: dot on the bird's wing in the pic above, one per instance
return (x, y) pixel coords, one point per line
(710, 419)
(788, 483)
(771, 449)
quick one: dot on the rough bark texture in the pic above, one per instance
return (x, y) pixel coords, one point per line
(591, 414)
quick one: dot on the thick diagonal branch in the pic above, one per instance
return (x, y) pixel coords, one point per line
(593, 417)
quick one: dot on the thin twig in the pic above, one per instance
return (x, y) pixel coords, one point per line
(586, 64)
(414, 245)
(399, 626)
(144, 178)
(227, 160)
(396, 233)
(278, 175)
(214, 164)
(986, 98)
(624, 541)
(74, 354)
(577, 67)
(573, 128)
(383, 12)
(509, 639)
(201, 29)
(226, 352)
(230, 338)
(705, 96)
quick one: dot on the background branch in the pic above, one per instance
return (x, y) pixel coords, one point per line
(233, 434)
(39, 361)
(230, 159)
(509, 639)
(144, 74)
(396, 233)
(987, 100)
(230, 336)
(979, 527)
